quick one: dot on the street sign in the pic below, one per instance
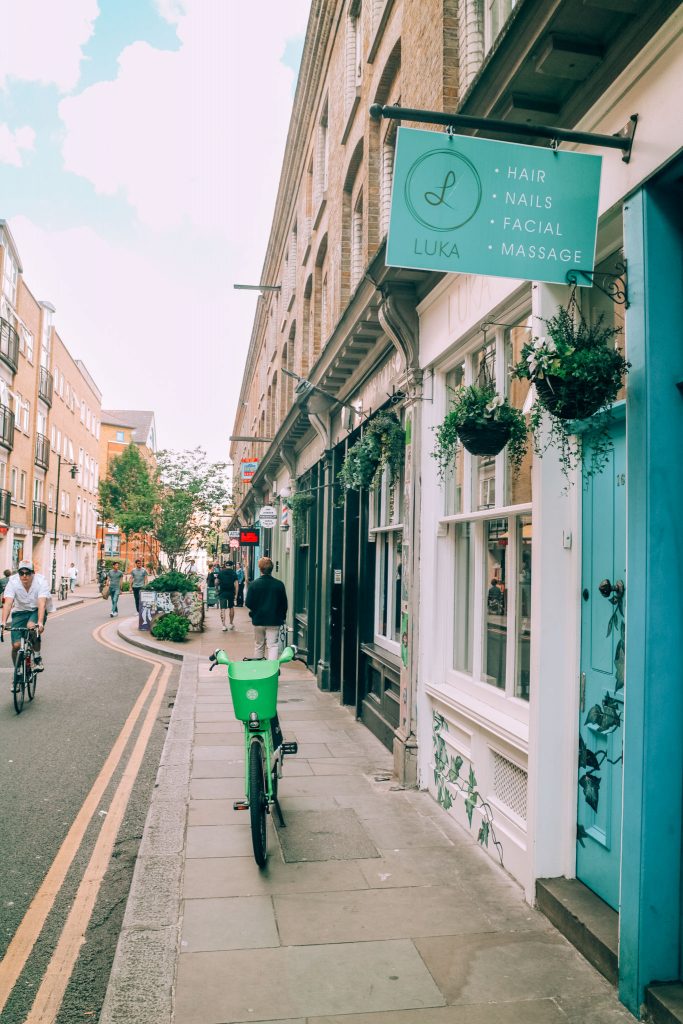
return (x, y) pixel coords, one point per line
(267, 517)
(233, 534)
(467, 205)
(248, 467)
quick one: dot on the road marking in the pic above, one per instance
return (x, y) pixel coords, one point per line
(51, 992)
(33, 921)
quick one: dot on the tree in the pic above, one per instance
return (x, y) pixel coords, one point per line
(128, 494)
(191, 490)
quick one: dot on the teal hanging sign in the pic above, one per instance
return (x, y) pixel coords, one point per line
(475, 206)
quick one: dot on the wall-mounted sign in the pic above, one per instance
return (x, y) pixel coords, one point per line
(249, 536)
(225, 548)
(284, 517)
(267, 517)
(233, 534)
(234, 543)
(248, 467)
(475, 206)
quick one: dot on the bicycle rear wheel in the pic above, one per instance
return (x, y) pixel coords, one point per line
(31, 677)
(258, 800)
(19, 684)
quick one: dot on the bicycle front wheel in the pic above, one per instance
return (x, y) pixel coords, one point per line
(31, 678)
(19, 684)
(258, 801)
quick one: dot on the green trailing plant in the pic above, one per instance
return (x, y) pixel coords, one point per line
(170, 627)
(299, 503)
(381, 447)
(483, 421)
(577, 372)
(174, 582)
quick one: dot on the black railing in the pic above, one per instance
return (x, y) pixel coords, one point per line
(42, 451)
(45, 386)
(9, 345)
(6, 428)
(5, 507)
(39, 517)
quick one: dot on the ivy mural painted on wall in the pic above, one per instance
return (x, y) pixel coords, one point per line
(603, 718)
(449, 783)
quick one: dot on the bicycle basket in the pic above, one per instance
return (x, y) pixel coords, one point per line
(253, 687)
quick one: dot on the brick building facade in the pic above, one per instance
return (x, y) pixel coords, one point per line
(49, 425)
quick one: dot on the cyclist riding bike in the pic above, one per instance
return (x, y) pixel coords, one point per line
(27, 597)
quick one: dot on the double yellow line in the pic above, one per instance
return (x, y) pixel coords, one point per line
(51, 992)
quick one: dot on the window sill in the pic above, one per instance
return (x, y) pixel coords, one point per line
(383, 654)
(352, 114)
(321, 209)
(504, 717)
(377, 38)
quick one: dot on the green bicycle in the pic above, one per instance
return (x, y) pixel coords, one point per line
(253, 687)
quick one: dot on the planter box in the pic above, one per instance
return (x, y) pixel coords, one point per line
(157, 602)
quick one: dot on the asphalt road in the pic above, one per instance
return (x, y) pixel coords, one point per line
(50, 755)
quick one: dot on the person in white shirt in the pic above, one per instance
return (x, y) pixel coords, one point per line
(73, 576)
(27, 596)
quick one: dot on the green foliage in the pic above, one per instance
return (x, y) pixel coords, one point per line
(191, 491)
(128, 494)
(477, 406)
(299, 503)
(109, 563)
(174, 582)
(578, 373)
(170, 627)
(381, 447)
(125, 586)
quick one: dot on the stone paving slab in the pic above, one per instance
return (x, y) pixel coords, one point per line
(242, 922)
(235, 876)
(302, 981)
(324, 836)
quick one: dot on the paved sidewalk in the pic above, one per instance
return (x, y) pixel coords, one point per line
(374, 908)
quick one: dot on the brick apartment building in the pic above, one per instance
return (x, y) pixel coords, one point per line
(120, 428)
(49, 435)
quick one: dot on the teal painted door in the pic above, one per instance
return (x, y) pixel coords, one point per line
(601, 709)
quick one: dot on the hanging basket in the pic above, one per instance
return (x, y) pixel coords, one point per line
(484, 439)
(567, 399)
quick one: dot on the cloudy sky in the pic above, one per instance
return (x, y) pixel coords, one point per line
(140, 150)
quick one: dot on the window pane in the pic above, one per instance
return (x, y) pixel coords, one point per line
(523, 606)
(454, 478)
(383, 609)
(518, 487)
(484, 466)
(398, 578)
(495, 610)
(464, 582)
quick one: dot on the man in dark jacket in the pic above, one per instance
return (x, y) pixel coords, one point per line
(226, 578)
(267, 603)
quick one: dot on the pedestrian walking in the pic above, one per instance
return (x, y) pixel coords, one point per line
(114, 576)
(138, 580)
(241, 579)
(227, 592)
(73, 577)
(267, 604)
(4, 580)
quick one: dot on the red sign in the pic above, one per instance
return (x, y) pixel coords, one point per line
(249, 537)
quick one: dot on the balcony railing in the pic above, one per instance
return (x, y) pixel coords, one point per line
(5, 506)
(45, 386)
(42, 451)
(6, 428)
(39, 517)
(9, 345)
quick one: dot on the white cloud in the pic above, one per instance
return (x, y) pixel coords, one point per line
(12, 143)
(154, 325)
(42, 40)
(194, 136)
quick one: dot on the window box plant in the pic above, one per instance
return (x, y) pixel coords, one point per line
(577, 373)
(381, 447)
(484, 422)
(299, 503)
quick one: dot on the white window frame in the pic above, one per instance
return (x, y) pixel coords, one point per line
(377, 532)
(474, 685)
(10, 276)
(496, 15)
